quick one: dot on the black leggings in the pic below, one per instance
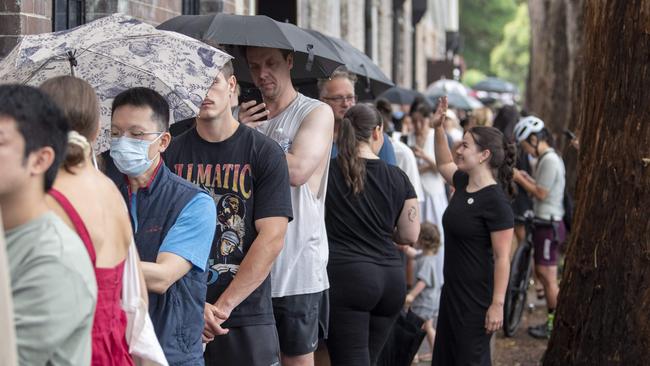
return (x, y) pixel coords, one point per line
(365, 300)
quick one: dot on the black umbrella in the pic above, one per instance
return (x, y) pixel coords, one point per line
(495, 85)
(312, 59)
(372, 80)
(399, 95)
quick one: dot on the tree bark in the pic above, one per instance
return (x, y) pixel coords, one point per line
(547, 95)
(603, 317)
(553, 86)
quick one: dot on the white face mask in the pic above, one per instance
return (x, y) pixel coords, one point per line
(131, 156)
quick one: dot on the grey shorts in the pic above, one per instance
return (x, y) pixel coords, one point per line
(301, 320)
(254, 345)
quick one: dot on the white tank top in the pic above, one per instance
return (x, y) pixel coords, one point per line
(301, 267)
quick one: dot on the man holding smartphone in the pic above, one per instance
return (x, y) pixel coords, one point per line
(303, 128)
(246, 174)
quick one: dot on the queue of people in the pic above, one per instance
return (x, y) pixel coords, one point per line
(265, 231)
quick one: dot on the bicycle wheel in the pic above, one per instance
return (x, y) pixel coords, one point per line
(515, 301)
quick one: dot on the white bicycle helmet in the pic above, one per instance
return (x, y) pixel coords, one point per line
(527, 126)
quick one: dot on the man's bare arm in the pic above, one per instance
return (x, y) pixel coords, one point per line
(310, 145)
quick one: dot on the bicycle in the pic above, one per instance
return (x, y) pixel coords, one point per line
(521, 270)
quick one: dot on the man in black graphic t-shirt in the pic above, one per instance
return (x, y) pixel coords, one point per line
(246, 174)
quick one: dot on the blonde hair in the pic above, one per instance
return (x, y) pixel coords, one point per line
(482, 117)
(429, 238)
(79, 103)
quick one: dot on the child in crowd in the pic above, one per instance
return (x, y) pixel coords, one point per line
(424, 297)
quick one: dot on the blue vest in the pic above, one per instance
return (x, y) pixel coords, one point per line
(177, 315)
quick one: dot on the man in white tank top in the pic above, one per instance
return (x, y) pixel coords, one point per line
(303, 127)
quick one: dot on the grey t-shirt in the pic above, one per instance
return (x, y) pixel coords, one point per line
(54, 291)
(427, 303)
(550, 175)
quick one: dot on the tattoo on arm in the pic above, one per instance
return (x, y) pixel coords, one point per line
(412, 214)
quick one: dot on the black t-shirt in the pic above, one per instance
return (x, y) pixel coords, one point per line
(248, 178)
(522, 201)
(360, 228)
(468, 222)
(181, 127)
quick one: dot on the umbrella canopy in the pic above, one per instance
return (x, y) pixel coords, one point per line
(444, 86)
(496, 85)
(372, 80)
(116, 53)
(312, 58)
(458, 101)
(399, 95)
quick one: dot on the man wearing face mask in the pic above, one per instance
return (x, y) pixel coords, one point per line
(173, 222)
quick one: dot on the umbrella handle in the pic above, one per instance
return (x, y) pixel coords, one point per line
(310, 57)
(72, 59)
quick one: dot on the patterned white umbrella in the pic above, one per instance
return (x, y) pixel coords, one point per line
(116, 53)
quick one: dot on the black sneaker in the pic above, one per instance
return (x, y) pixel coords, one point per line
(540, 331)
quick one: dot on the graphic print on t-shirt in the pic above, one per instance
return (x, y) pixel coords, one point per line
(229, 185)
(231, 230)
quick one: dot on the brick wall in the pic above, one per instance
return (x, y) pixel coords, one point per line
(153, 11)
(19, 17)
(340, 18)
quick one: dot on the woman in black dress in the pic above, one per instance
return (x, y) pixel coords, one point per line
(369, 206)
(478, 225)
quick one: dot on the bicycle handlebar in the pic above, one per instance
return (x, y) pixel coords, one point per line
(532, 220)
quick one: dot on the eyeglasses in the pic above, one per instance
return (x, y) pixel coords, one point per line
(132, 134)
(340, 99)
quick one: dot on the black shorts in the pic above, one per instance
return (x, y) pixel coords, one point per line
(301, 321)
(255, 345)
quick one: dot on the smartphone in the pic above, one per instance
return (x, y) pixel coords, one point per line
(252, 93)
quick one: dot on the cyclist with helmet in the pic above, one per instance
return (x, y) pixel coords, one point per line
(547, 189)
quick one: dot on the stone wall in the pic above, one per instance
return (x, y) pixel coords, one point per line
(345, 19)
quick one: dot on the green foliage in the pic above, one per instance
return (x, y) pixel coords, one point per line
(481, 26)
(509, 59)
(472, 76)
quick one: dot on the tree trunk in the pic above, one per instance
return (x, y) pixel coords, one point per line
(554, 84)
(575, 32)
(547, 95)
(603, 317)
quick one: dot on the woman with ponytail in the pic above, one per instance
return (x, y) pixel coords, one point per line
(478, 225)
(91, 205)
(369, 206)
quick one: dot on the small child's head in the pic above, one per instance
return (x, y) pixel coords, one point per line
(429, 237)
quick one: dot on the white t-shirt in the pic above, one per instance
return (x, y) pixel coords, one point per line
(550, 175)
(433, 184)
(405, 160)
